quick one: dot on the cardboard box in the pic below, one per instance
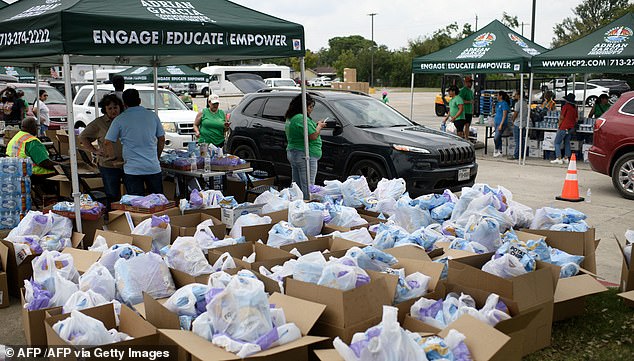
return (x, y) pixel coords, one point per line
(575, 145)
(82, 259)
(261, 232)
(531, 291)
(484, 342)
(345, 333)
(229, 215)
(33, 323)
(329, 228)
(16, 274)
(571, 293)
(214, 212)
(237, 189)
(349, 75)
(112, 238)
(336, 247)
(535, 153)
(303, 313)
(627, 277)
(124, 222)
(577, 243)
(345, 308)
(264, 255)
(533, 144)
(185, 225)
(141, 331)
(4, 284)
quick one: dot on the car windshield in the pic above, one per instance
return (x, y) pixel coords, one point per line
(370, 113)
(284, 82)
(54, 96)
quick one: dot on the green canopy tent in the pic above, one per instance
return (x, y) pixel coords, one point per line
(17, 72)
(493, 49)
(146, 32)
(609, 49)
(166, 74)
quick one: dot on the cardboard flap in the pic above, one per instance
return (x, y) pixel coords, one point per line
(390, 280)
(621, 245)
(428, 268)
(409, 251)
(181, 278)
(415, 325)
(302, 342)
(629, 295)
(197, 346)
(577, 286)
(133, 324)
(104, 313)
(82, 259)
(303, 313)
(328, 355)
(76, 239)
(483, 341)
(112, 238)
(4, 256)
(158, 315)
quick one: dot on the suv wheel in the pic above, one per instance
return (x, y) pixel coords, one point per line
(371, 170)
(591, 100)
(244, 152)
(623, 175)
(440, 110)
(614, 97)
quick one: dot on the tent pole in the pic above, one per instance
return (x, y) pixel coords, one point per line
(411, 100)
(585, 90)
(37, 93)
(94, 87)
(522, 150)
(72, 146)
(155, 73)
(528, 123)
(302, 66)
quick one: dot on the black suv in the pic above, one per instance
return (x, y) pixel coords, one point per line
(617, 87)
(363, 136)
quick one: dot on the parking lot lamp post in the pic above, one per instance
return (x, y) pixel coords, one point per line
(371, 15)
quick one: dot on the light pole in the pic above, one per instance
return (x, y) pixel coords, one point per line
(371, 15)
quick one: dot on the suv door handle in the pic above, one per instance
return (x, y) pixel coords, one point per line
(257, 125)
(88, 112)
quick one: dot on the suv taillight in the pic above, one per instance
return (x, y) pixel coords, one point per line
(227, 117)
(599, 123)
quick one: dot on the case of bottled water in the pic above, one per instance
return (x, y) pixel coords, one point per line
(15, 188)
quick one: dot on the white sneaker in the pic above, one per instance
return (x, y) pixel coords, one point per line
(497, 154)
(557, 161)
(566, 160)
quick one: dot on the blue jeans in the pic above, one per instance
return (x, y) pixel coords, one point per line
(297, 158)
(144, 184)
(497, 139)
(565, 136)
(517, 136)
(43, 129)
(112, 178)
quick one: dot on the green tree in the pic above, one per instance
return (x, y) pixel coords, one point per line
(589, 16)
(510, 21)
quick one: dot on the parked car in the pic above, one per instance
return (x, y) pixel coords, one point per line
(363, 136)
(61, 86)
(56, 103)
(177, 119)
(281, 83)
(320, 81)
(612, 151)
(592, 93)
(615, 86)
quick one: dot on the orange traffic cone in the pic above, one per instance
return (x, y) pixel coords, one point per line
(571, 184)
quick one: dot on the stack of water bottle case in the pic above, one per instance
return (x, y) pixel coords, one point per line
(472, 277)
(15, 190)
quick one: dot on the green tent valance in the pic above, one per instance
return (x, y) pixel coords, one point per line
(492, 49)
(142, 32)
(17, 72)
(609, 49)
(165, 74)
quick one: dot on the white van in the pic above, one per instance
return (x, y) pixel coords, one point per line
(177, 119)
(219, 84)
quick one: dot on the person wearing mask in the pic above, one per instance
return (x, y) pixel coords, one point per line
(600, 106)
(549, 102)
(566, 126)
(13, 107)
(41, 111)
(143, 139)
(25, 144)
(210, 123)
(519, 124)
(456, 111)
(118, 82)
(295, 151)
(502, 111)
(110, 167)
(467, 97)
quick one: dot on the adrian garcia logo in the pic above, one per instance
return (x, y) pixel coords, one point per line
(480, 47)
(614, 42)
(483, 40)
(522, 44)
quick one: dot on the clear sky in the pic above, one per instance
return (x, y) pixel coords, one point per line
(398, 21)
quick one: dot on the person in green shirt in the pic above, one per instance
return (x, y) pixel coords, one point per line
(456, 111)
(295, 150)
(467, 97)
(600, 106)
(385, 99)
(210, 123)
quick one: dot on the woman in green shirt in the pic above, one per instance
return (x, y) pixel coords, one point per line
(600, 106)
(210, 124)
(295, 150)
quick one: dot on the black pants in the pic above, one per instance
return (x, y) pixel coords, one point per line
(144, 184)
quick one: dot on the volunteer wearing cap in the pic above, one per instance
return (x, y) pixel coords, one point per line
(210, 124)
(567, 123)
(467, 97)
(456, 110)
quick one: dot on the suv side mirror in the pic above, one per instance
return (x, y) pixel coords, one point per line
(332, 123)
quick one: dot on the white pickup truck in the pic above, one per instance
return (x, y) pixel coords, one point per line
(177, 119)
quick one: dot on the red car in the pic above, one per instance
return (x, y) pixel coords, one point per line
(612, 152)
(56, 103)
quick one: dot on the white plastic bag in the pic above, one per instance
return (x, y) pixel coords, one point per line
(52, 262)
(34, 223)
(390, 189)
(293, 193)
(284, 233)
(250, 219)
(485, 231)
(410, 216)
(359, 235)
(341, 276)
(204, 236)
(188, 300)
(309, 219)
(185, 256)
(144, 273)
(309, 267)
(346, 217)
(99, 245)
(223, 263)
(158, 228)
(506, 266)
(112, 255)
(81, 300)
(79, 329)
(99, 280)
